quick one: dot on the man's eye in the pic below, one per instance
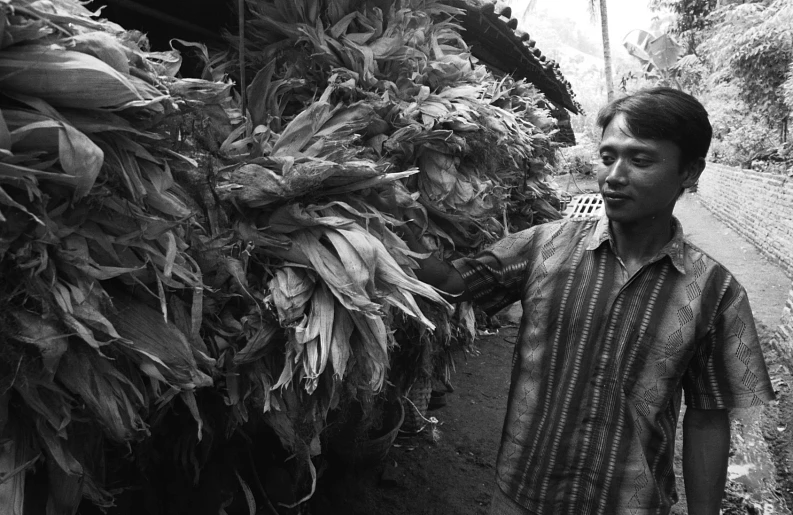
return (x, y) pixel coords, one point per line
(641, 162)
(606, 159)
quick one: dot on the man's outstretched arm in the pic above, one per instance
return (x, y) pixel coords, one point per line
(436, 272)
(706, 447)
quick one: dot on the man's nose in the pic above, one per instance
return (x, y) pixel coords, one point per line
(617, 172)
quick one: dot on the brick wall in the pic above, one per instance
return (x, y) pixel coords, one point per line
(785, 333)
(759, 206)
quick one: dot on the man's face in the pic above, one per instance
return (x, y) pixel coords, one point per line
(640, 179)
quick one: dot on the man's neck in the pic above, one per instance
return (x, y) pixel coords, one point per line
(637, 243)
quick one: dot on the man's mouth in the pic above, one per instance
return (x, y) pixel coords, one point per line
(613, 195)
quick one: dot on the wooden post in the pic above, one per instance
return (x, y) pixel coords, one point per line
(241, 21)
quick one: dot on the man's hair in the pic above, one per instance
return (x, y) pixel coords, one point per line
(664, 114)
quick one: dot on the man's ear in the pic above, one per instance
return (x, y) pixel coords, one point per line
(692, 171)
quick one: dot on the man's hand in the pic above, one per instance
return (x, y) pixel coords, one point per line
(434, 271)
(706, 447)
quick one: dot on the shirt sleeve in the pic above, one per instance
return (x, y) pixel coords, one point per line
(495, 276)
(728, 369)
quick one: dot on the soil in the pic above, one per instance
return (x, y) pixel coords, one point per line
(448, 468)
(451, 470)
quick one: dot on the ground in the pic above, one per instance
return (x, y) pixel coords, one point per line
(451, 470)
(453, 474)
(450, 474)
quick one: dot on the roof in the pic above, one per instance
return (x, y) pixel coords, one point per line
(492, 35)
(495, 40)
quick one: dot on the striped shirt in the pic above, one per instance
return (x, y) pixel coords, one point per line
(602, 360)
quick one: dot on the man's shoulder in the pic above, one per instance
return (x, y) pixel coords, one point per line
(563, 226)
(558, 234)
(701, 265)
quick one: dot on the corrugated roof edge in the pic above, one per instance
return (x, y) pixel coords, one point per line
(495, 40)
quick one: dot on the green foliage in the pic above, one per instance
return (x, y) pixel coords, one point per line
(659, 54)
(787, 89)
(740, 70)
(752, 45)
(737, 133)
(692, 17)
(579, 159)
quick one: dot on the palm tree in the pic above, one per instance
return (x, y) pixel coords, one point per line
(604, 30)
(597, 8)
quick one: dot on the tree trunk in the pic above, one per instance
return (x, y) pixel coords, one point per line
(604, 27)
(596, 6)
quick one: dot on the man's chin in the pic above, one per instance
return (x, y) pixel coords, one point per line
(621, 216)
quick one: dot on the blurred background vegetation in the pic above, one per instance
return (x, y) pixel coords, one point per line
(734, 55)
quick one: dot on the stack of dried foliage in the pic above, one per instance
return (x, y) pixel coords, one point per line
(179, 280)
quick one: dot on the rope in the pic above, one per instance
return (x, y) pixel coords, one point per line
(432, 421)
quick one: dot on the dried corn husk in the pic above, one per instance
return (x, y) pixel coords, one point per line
(104, 47)
(340, 350)
(257, 345)
(333, 272)
(12, 467)
(161, 350)
(279, 284)
(89, 201)
(291, 288)
(65, 492)
(316, 336)
(66, 78)
(43, 333)
(107, 393)
(79, 157)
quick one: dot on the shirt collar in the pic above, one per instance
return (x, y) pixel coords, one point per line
(674, 249)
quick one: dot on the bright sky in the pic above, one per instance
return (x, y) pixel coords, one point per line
(570, 30)
(623, 15)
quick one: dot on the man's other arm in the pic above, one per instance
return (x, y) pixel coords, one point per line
(706, 447)
(433, 271)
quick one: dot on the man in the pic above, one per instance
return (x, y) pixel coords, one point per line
(621, 316)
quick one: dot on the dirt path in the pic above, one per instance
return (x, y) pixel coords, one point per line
(766, 284)
(453, 474)
(450, 475)
(761, 455)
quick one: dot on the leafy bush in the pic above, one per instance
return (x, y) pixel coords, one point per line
(752, 45)
(737, 147)
(737, 133)
(579, 159)
(740, 70)
(787, 88)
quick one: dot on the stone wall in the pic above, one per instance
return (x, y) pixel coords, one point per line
(785, 333)
(759, 206)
